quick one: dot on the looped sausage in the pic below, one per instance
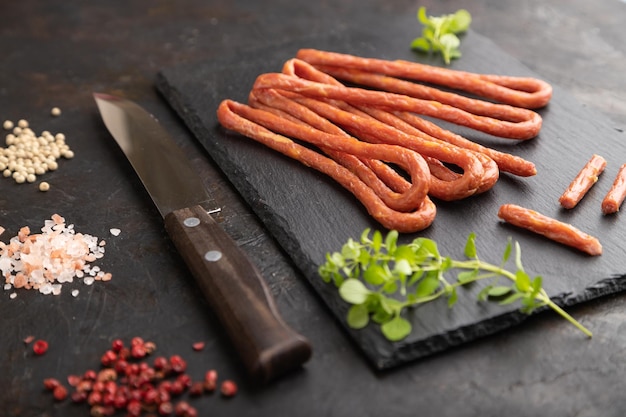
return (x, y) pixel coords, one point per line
(525, 92)
(229, 114)
(364, 138)
(527, 126)
(384, 181)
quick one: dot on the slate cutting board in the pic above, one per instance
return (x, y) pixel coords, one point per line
(310, 215)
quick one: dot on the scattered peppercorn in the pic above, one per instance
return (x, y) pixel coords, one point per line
(40, 347)
(210, 380)
(198, 346)
(60, 393)
(51, 383)
(229, 388)
(131, 385)
(28, 155)
(55, 111)
(44, 186)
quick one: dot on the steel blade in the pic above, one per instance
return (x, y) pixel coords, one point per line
(161, 165)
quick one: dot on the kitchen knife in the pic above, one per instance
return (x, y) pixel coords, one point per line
(232, 285)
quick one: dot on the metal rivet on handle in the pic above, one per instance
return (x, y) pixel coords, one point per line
(213, 255)
(191, 221)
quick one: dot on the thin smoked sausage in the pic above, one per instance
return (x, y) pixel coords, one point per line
(615, 197)
(517, 91)
(404, 222)
(551, 228)
(526, 127)
(583, 182)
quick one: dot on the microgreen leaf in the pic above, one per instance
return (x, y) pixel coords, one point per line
(353, 291)
(421, 44)
(391, 240)
(484, 293)
(396, 329)
(403, 267)
(427, 286)
(381, 316)
(465, 277)
(461, 21)
(536, 286)
(453, 296)
(377, 241)
(470, 246)
(439, 33)
(499, 291)
(390, 287)
(507, 252)
(375, 275)
(405, 252)
(511, 298)
(358, 316)
(522, 281)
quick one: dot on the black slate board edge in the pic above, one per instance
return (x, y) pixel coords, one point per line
(381, 353)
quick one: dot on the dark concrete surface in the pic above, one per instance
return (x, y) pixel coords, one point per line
(56, 53)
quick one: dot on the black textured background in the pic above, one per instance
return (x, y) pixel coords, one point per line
(55, 53)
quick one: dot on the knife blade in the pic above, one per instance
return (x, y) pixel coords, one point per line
(233, 286)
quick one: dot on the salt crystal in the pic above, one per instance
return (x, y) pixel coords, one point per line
(74, 293)
(13, 295)
(51, 258)
(5, 264)
(115, 231)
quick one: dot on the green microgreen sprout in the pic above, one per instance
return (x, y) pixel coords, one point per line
(440, 33)
(381, 278)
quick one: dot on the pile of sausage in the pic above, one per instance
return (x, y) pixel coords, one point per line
(361, 122)
(365, 136)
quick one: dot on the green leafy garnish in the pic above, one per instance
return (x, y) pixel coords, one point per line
(381, 278)
(440, 33)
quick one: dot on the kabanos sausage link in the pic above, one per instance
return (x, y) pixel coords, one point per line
(490, 172)
(523, 129)
(411, 89)
(583, 182)
(302, 69)
(371, 130)
(551, 228)
(415, 221)
(506, 162)
(376, 132)
(317, 114)
(381, 178)
(386, 176)
(524, 92)
(411, 162)
(615, 197)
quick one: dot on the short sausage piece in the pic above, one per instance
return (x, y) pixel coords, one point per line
(616, 194)
(585, 179)
(551, 228)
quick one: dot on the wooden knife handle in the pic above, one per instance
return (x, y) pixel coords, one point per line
(238, 295)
